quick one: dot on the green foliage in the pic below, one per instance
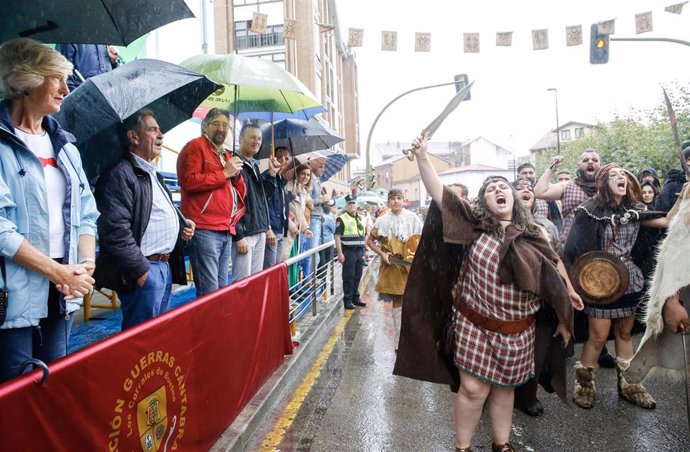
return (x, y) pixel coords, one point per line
(638, 140)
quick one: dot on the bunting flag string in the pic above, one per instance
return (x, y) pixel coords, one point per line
(471, 41)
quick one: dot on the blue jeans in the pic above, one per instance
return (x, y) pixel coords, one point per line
(209, 254)
(274, 254)
(46, 342)
(150, 300)
(244, 265)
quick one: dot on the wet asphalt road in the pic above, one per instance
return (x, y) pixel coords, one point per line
(356, 404)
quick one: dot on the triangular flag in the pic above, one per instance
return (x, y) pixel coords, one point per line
(504, 39)
(573, 35)
(259, 22)
(643, 22)
(389, 40)
(471, 42)
(540, 39)
(422, 42)
(355, 37)
(290, 29)
(607, 27)
(675, 9)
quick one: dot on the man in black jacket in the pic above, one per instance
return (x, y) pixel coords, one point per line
(141, 234)
(249, 243)
(675, 178)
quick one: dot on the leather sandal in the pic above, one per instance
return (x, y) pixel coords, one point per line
(507, 447)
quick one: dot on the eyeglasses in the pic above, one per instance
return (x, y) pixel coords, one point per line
(219, 125)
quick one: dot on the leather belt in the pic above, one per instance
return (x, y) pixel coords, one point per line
(159, 257)
(497, 326)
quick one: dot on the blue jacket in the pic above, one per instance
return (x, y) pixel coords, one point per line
(278, 209)
(88, 59)
(24, 215)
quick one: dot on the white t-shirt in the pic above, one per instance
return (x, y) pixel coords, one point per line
(56, 187)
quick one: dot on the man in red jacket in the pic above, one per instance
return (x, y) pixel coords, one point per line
(213, 192)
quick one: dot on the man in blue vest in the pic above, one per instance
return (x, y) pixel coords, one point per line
(350, 236)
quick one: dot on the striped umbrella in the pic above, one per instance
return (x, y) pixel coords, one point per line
(332, 161)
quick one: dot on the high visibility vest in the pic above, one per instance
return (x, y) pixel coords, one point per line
(353, 231)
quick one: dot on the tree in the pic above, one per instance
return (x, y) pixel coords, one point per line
(638, 140)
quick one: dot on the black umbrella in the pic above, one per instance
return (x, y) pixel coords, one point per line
(299, 136)
(95, 110)
(87, 21)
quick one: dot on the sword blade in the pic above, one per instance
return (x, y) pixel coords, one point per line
(452, 105)
(676, 135)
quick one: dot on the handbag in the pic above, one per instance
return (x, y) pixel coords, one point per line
(4, 295)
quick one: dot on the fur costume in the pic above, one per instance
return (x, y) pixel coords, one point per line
(403, 226)
(660, 348)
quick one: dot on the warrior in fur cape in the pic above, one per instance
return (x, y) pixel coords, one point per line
(661, 351)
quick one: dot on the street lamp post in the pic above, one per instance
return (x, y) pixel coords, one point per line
(558, 132)
(371, 129)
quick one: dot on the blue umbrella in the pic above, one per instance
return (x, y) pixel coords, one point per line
(298, 135)
(270, 116)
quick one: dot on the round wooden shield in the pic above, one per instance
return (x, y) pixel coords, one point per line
(599, 277)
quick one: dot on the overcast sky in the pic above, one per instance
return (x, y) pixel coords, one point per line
(510, 103)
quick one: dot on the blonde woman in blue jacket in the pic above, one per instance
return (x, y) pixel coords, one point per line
(47, 212)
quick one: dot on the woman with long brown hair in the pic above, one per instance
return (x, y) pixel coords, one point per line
(610, 222)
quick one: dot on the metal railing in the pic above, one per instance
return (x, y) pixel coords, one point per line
(319, 285)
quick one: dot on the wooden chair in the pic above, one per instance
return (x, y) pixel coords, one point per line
(110, 295)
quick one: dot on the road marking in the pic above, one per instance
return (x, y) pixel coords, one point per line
(273, 439)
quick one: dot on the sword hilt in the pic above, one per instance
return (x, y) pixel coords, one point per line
(410, 152)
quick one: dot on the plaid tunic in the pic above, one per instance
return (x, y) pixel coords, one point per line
(626, 234)
(501, 359)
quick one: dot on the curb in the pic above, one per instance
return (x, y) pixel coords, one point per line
(236, 437)
(240, 432)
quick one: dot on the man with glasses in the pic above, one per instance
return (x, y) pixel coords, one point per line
(213, 192)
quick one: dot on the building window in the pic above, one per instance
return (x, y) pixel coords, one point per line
(565, 134)
(579, 132)
(246, 39)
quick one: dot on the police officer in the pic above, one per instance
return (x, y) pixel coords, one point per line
(350, 235)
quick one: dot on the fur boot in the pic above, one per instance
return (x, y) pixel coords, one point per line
(584, 389)
(633, 393)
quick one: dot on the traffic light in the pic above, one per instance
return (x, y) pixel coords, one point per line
(598, 46)
(461, 81)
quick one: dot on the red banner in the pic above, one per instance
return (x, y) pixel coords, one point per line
(173, 383)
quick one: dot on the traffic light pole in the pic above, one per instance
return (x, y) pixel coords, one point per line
(371, 129)
(677, 41)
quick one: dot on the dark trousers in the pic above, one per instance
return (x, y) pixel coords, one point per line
(352, 272)
(325, 257)
(46, 342)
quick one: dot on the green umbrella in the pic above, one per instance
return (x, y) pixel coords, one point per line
(131, 52)
(251, 85)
